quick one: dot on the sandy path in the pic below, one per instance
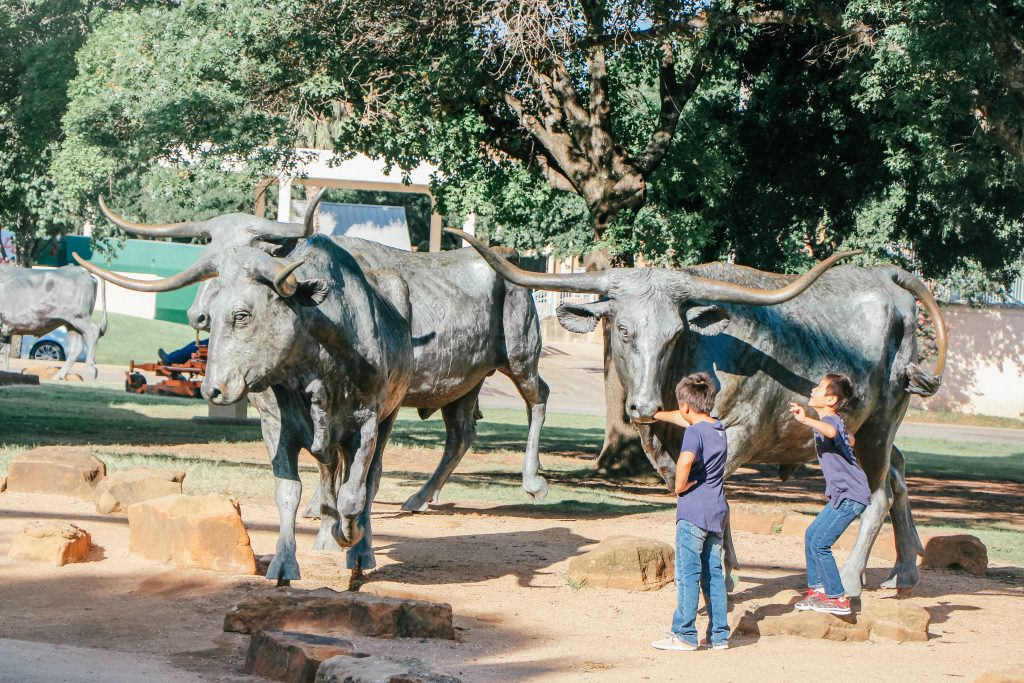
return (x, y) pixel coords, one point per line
(504, 574)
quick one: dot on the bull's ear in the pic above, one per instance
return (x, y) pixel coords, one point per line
(581, 318)
(311, 292)
(707, 320)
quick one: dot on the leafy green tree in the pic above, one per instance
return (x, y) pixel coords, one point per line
(677, 131)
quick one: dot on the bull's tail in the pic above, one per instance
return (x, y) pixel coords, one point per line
(919, 381)
(103, 302)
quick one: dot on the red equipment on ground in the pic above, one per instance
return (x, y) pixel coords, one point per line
(182, 380)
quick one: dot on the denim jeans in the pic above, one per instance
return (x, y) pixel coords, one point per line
(699, 569)
(827, 527)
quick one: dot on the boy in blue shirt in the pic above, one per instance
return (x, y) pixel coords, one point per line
(701, 513)
(846, 487)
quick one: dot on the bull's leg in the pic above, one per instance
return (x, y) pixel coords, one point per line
(359, 450)
(535, 392)
(908, 543)
(74, 348)
(326, 492)
(460, 425)
(282, 440)
(874, 445)
(91, 332)
(360, 556)
(729, 561)
(5, 353)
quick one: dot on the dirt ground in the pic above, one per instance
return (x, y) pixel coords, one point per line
(503, 570)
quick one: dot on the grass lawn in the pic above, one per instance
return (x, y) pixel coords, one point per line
(112, 422)
(946, 417)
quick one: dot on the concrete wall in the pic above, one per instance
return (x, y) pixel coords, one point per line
(985, 364)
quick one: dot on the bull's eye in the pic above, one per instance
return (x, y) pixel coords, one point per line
(624, 332)
(241, 317)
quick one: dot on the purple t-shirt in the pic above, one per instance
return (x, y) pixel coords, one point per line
(843, 476)
(703, 504)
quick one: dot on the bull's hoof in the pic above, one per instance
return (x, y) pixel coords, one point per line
(540, 491)
(283, 568)
(853, 584)
(730, 582)
(903, 577)
(415, 504)
(325, 539)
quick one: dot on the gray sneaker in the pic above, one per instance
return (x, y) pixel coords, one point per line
(811, 597)
(724, 645)
(673, 642)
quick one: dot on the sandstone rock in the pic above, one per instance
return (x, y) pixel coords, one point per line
(961, 551)
(327, 611)
(43, 372)
(56, 469)
(9, 378)
(53, 542)
(374, 669)
(899, 620)
(1009, 675)
(890, 619)
(755, 520)
(205, 532)
(796, 524)
(627, 562)
(118, 490)
(290, 656)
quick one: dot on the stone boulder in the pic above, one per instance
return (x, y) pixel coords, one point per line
(56, 543)
(960, 551)
(626, 562)
(203, 532)
(896, 620)
(328, 611)
(120, 489)
(290, 656)
(63, 470)
(1014, 674)
(376, 669)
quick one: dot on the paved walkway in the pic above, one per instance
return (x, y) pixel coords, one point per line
(576, 377)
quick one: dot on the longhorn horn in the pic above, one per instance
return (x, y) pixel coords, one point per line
(697, 287)
(277, 273)
(186, 229)
(594, 283)
(307, 221)
(203, 269)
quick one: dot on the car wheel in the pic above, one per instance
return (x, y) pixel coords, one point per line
(46, 350)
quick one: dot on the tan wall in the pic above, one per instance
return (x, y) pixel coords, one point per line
(985, 364)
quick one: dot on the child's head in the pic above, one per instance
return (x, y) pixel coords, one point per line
(698, 392)
(835, 392)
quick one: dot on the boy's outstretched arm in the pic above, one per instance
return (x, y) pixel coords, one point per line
(672, 416)
(800, 415)
(683, 465)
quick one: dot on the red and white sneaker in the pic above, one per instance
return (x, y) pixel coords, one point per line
(840, 606)
(810, 595)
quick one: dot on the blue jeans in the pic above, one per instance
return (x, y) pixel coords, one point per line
(699, 569)
(825, 530)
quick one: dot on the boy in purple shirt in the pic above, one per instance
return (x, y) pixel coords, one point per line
(701, 514)
(845, 485)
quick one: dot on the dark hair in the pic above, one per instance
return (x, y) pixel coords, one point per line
(697, 391)
(839, 386)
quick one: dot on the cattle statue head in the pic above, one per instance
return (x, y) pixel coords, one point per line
(253, 321)
(224, 232)
(647, 311)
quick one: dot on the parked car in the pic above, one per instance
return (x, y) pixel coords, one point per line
(51, 347)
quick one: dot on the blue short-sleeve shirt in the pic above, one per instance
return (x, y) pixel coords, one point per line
(703, 504)
(843, 476)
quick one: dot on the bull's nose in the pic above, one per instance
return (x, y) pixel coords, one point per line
(643, 412)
